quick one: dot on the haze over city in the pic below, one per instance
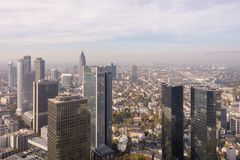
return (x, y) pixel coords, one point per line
(144, 31)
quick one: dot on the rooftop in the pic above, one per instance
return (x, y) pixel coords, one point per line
(103, 150)
(67, 98)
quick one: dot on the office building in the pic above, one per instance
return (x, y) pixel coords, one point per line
(15, 142)
(68, 128)
(54, 74)
(224, 119)
(67, 80)
(42, 91)
(134, 77)
(102, 152)
(19, 87)
(82, 63)
(39, 67)
(203, 123)
(27, 64)
(12, 74)
(172, 122)
(98, 90)
(235, 123)
(113, 69)
(27, 77)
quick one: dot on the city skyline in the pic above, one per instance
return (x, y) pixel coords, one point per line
(165, 31)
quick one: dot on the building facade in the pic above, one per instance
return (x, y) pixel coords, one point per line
(42, 91)
(172, 122)
(12, 74)
(19, 87)
(68, 128)
(39, 67)
(203, 123)
(134, 77)
(98, 90)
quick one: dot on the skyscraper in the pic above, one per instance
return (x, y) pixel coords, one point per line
(42, 91)
(28, 78)
(39, 66)
(12, 74)
(113, 69)
(68, 128)
(203, 123)
(172, 122)
(54, 74)
(98, 90)
(82, 63)
(19, 86)
(27, 64)
(134, 73)
(67, 80)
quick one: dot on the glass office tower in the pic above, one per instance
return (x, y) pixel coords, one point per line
(203, 122)
(68, 128)
(172, 122)
(42, 91)
(98, 90)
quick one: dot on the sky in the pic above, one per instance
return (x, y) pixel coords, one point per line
(121, 31)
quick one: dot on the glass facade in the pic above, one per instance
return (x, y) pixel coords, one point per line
(68, 129)
(172, 122)
(203, 122)
(98, 91)
(42, 91)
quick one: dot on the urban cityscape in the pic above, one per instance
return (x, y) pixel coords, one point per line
(119, 80)
(117, 112)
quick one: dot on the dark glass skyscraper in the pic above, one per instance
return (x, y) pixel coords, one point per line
(68, 128)
(98, 91)
(42, 91)
(203, 122)
(172, 122)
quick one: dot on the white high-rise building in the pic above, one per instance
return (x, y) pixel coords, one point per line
(82, 63)
(67, 80)
(54, 74)
(20, 67)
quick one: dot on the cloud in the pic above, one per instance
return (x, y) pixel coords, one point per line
(29, 22)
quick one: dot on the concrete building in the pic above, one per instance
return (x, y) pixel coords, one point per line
(15, 143)
(19, 87)
(28, 119)
(235, 123)
(231, 154)
(67, 80)
(54, 74)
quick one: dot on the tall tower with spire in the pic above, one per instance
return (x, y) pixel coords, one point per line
(82, 63)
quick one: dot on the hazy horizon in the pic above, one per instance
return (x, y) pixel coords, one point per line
(123, 32)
